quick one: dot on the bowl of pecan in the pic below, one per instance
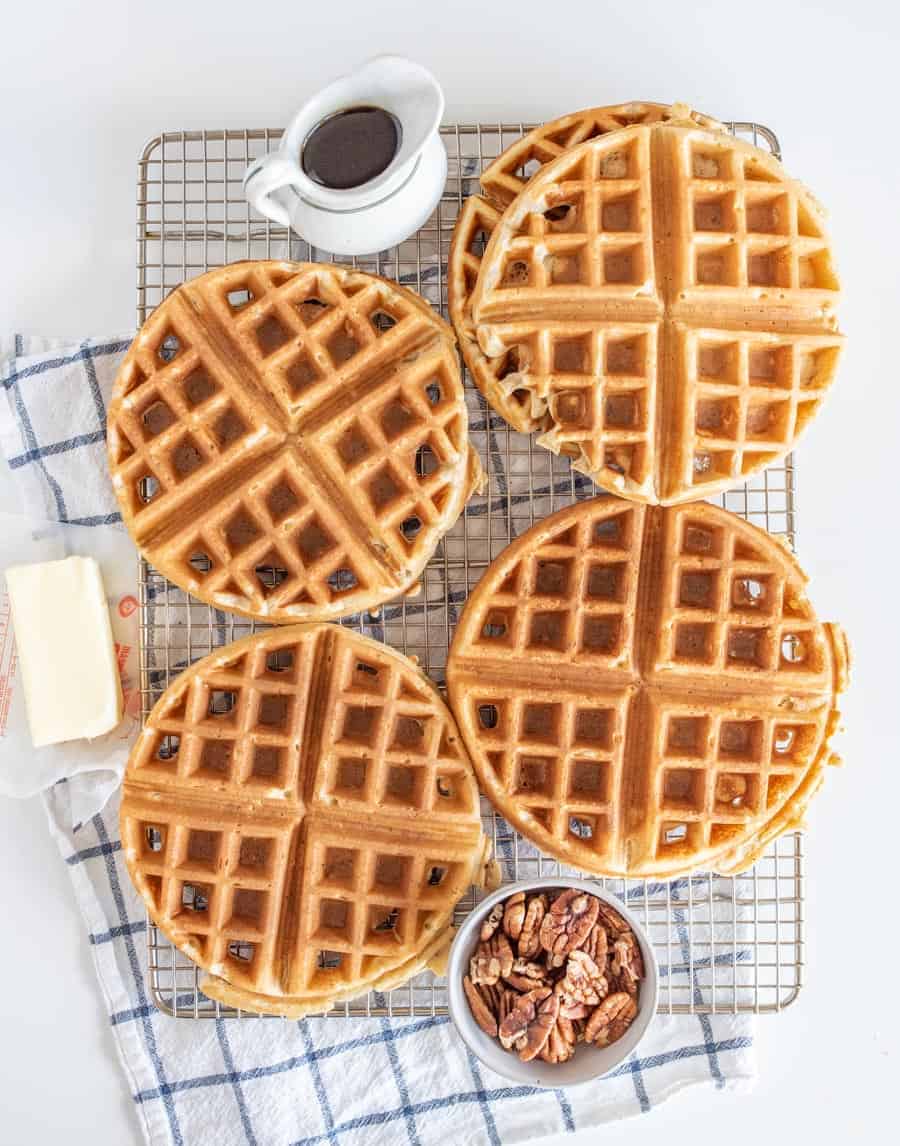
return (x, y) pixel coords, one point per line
(552, 982)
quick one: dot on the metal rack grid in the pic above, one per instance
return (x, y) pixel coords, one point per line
(724, 944)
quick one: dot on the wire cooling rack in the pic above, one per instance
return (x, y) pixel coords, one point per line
(724, 944)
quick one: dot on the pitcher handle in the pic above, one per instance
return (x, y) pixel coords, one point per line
(263, 179)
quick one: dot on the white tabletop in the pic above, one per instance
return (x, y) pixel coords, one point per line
(81, 94)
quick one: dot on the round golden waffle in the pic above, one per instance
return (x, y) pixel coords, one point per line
(659, 303)
(289, 441)
(645, 691)
(300, 818)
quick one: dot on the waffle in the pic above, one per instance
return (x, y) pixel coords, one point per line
(289, 441)
(645, 690)
(501, 181)
(300, 818)
(670, 326)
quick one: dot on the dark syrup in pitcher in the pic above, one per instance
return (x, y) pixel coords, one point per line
(350, 147)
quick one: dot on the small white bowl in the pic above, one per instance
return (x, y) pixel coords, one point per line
(588, 1062)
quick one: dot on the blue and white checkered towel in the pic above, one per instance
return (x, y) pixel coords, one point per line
(272, 1082)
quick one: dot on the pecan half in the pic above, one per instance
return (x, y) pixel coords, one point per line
(539, 1028)
(503, 952)
(556, 1048)
(492, 960)
(492, 922)
(492, 994)
(560, 1045)
(532, 970)
(514, 915)
(484, 969)
(626, 964)
(568, 923)
(611, 920)
(481, 1013)
(567, 1029)
(514, 1026)
(529, 943)
(583, 981)
(572, 1010)
(596, 944)
(520, 983)
(610, 1020)
(508, 1000)
(514, 1023)
(551, 1052)
(525, 976)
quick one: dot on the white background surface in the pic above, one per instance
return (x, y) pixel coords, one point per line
(83, 86)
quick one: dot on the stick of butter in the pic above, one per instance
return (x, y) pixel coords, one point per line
(65, 649)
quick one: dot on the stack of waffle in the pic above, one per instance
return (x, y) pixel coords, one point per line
(300, 817)
(657, 300)
(646, 691)
(289, 441)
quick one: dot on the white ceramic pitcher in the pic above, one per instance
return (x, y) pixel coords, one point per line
(386, 209)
